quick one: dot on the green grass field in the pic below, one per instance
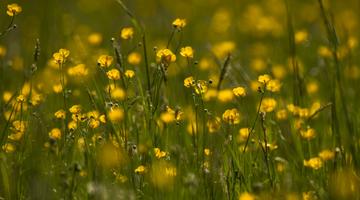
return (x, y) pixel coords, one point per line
(192, 99)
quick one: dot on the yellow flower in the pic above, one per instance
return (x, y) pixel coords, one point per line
(129, 73)
(239, 91)
(324, 51)
(187, 52)
(231, 116)
(20, 98)
(72, 125)
(244, 134)
(189, 81)
(264, 79)
(113, 74)
(60, 114)
(118, 94)
(308, 134)
(222, 49)
(268, 105)
(134, 58)
(315, 163)
(246, 196)
(13, 9)
(61, 55)
(127, 33)
(78, 70)
(301, 36)
(140, 169)
(57, 88)
(8, 148)
(179, 23)
(75, 109)
(116, 115)
(207, 152)
(281, 114)
(55, 134)
(326, 154)
(2, 51)
(273, 85)
(165, 56)
(201, 87)
(225, 95)
(214, 124)
(95, 38)
(159, 154)
(105, 60)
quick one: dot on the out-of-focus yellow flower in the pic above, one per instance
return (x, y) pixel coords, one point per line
(207, 152)
(118, 94)
(352, 42)
(113, 74)
(129, 73)
(310, 195)
(281, 114)
(264, 79)
(116, 115)
(247, 196)
(312, 87)
(314, 163)
(222, 49)
(273, 85)
(78, 70)
(201, 87)
(2, 51)
(279, 71)
(21, 98)
(244, 134)
(187, 52)
(170, 115)
(324, 51)
(75, 109)
(60, 114)
(179, 23)
(231, 116)
(225, 95)
(140, 169)
(268, 105)
(239, 91)
(326, 154)
(165, 56)
(214, 124)
(57, 88)
(189, 81)
(105, 60)
(134, 58)
(61, 55)
(102, 119)
(127, 33)
(72, 125)
(7, 96)
(55, 134)
(301, 36)
(258, 64)
(95, 38)
(13, 9)
(308, 134)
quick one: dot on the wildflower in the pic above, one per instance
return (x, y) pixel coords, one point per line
(7, 96)
(140, 169)
(60, 114)
(118, 94)
(258, 64)
(105, 60)
(95, 38)
(72, 125)
(170, 115)
(75, 109)
(201, 87)
(8, 148)
(273, 85)
(314, 163)
(165, 56)
(134, 58)
(264, 79)
(324, 51)
(244, 134)
(225, 95)
(239, 91)
(246, 196)
(312, 87)
(116, 115)
(129, 73)
(326, 154)
(231, 116)
(308, 134)
(94, 123)
(113, 74)
(207, 152)
(127, 33)
(189, 81)
(187, 52)
(301, 36)
(268, 105)
(20, 98)
(78, 70)
(159, 154)
(213, 125)
(210, 94)
(57, 88)
(2, 51)
(102, 119)
(281, 114)
(55, 133)
(61, 55)
(222, 49)
(13, 9)
(179, 23)
(278, 71)
(170, 171)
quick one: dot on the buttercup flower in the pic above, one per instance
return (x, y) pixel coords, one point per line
(13, 9)
(179, 23)
(187, 52)
(127, 33)
(105, 60)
